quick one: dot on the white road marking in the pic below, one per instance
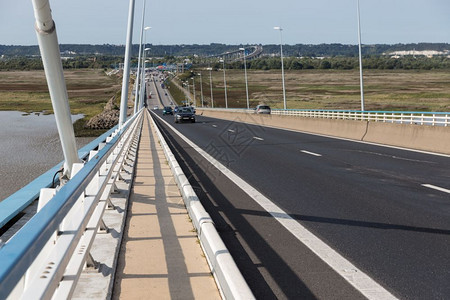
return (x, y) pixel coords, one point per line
(357, 278)
(310, 153)
(258, 138)
(350, 140)
(231, 130)
(214, 126)
(436, 188)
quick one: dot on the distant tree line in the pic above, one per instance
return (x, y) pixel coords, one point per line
(343, 63)
(217, 48)
(263, 63)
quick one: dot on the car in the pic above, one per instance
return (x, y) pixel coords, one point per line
(167, 110)
(155, 107)
(262, 109)
(184, 114)
(175, 109)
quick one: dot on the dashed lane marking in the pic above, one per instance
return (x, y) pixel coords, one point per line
(438, 188)
(310, 153)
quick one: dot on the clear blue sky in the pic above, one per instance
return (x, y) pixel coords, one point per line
(234, 21)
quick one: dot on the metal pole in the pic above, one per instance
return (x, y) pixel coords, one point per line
(193, 87)
(126, 68)
(136, 82)
(210, 86)
(201, 88)
(282, 64)
(225, 83)
(246, 82)
(142, 92)
(51, 59)
(361, 83)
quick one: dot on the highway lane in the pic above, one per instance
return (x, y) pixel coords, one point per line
(367, 202)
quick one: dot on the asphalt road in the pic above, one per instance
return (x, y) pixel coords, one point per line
(367, 202)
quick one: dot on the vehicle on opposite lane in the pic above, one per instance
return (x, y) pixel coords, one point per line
(262, 109)
(184, 114)
(167, 110)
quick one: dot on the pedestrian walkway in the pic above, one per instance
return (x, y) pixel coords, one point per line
(160, 256)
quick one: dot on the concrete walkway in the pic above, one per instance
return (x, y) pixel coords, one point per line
(160, 257)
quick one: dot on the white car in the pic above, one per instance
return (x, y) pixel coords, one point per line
(155, 107)
(262, 109)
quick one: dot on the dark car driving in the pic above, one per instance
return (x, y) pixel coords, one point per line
(184, 114)
(167, 110)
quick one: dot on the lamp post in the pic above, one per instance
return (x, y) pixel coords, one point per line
(138, 73)
(193, 87)
(282, 64)
(141, 100)
(246, 82)
(224, 81)
(201, 88)
(211, 87)
(361, 83)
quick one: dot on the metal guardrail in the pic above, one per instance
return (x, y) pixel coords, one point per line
(399, 117)
(46, 256)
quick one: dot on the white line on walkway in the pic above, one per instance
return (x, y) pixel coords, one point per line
(357, 278)
(258, 138)
(231, 130)
(310, 153)
(436, 188)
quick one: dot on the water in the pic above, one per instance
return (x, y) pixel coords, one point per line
(29, 146)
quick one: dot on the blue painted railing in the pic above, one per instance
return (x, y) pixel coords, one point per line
(21, 250)
(18, 201)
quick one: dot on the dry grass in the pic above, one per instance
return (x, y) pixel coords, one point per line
(27, 91)
(407, 90)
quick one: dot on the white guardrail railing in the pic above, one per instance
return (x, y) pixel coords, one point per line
(399, 117)
(44, 259)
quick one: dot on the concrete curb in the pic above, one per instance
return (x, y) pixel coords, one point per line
(232, 284)
(419, 137)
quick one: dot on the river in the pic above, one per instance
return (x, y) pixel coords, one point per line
(29, 146)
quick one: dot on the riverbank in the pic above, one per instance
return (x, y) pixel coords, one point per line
(89, 91)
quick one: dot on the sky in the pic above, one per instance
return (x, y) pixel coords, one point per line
(233, 21)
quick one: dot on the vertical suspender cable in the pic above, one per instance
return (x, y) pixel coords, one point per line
(138, 72)
(126, 67)
(51, 59)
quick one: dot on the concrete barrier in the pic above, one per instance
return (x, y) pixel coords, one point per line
(419, 137)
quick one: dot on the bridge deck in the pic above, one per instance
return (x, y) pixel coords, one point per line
(160, 257)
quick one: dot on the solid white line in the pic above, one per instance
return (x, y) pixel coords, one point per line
(357, 278)
(310, 153)
(436, 188)
(258, 138)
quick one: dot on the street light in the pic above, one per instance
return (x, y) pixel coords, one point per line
(143, 88)
(138, 73)
(282, 63)
(246, 82)
(224, 81)
(201, 88)
(361, 83)
(210, 86)
(193, 87)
